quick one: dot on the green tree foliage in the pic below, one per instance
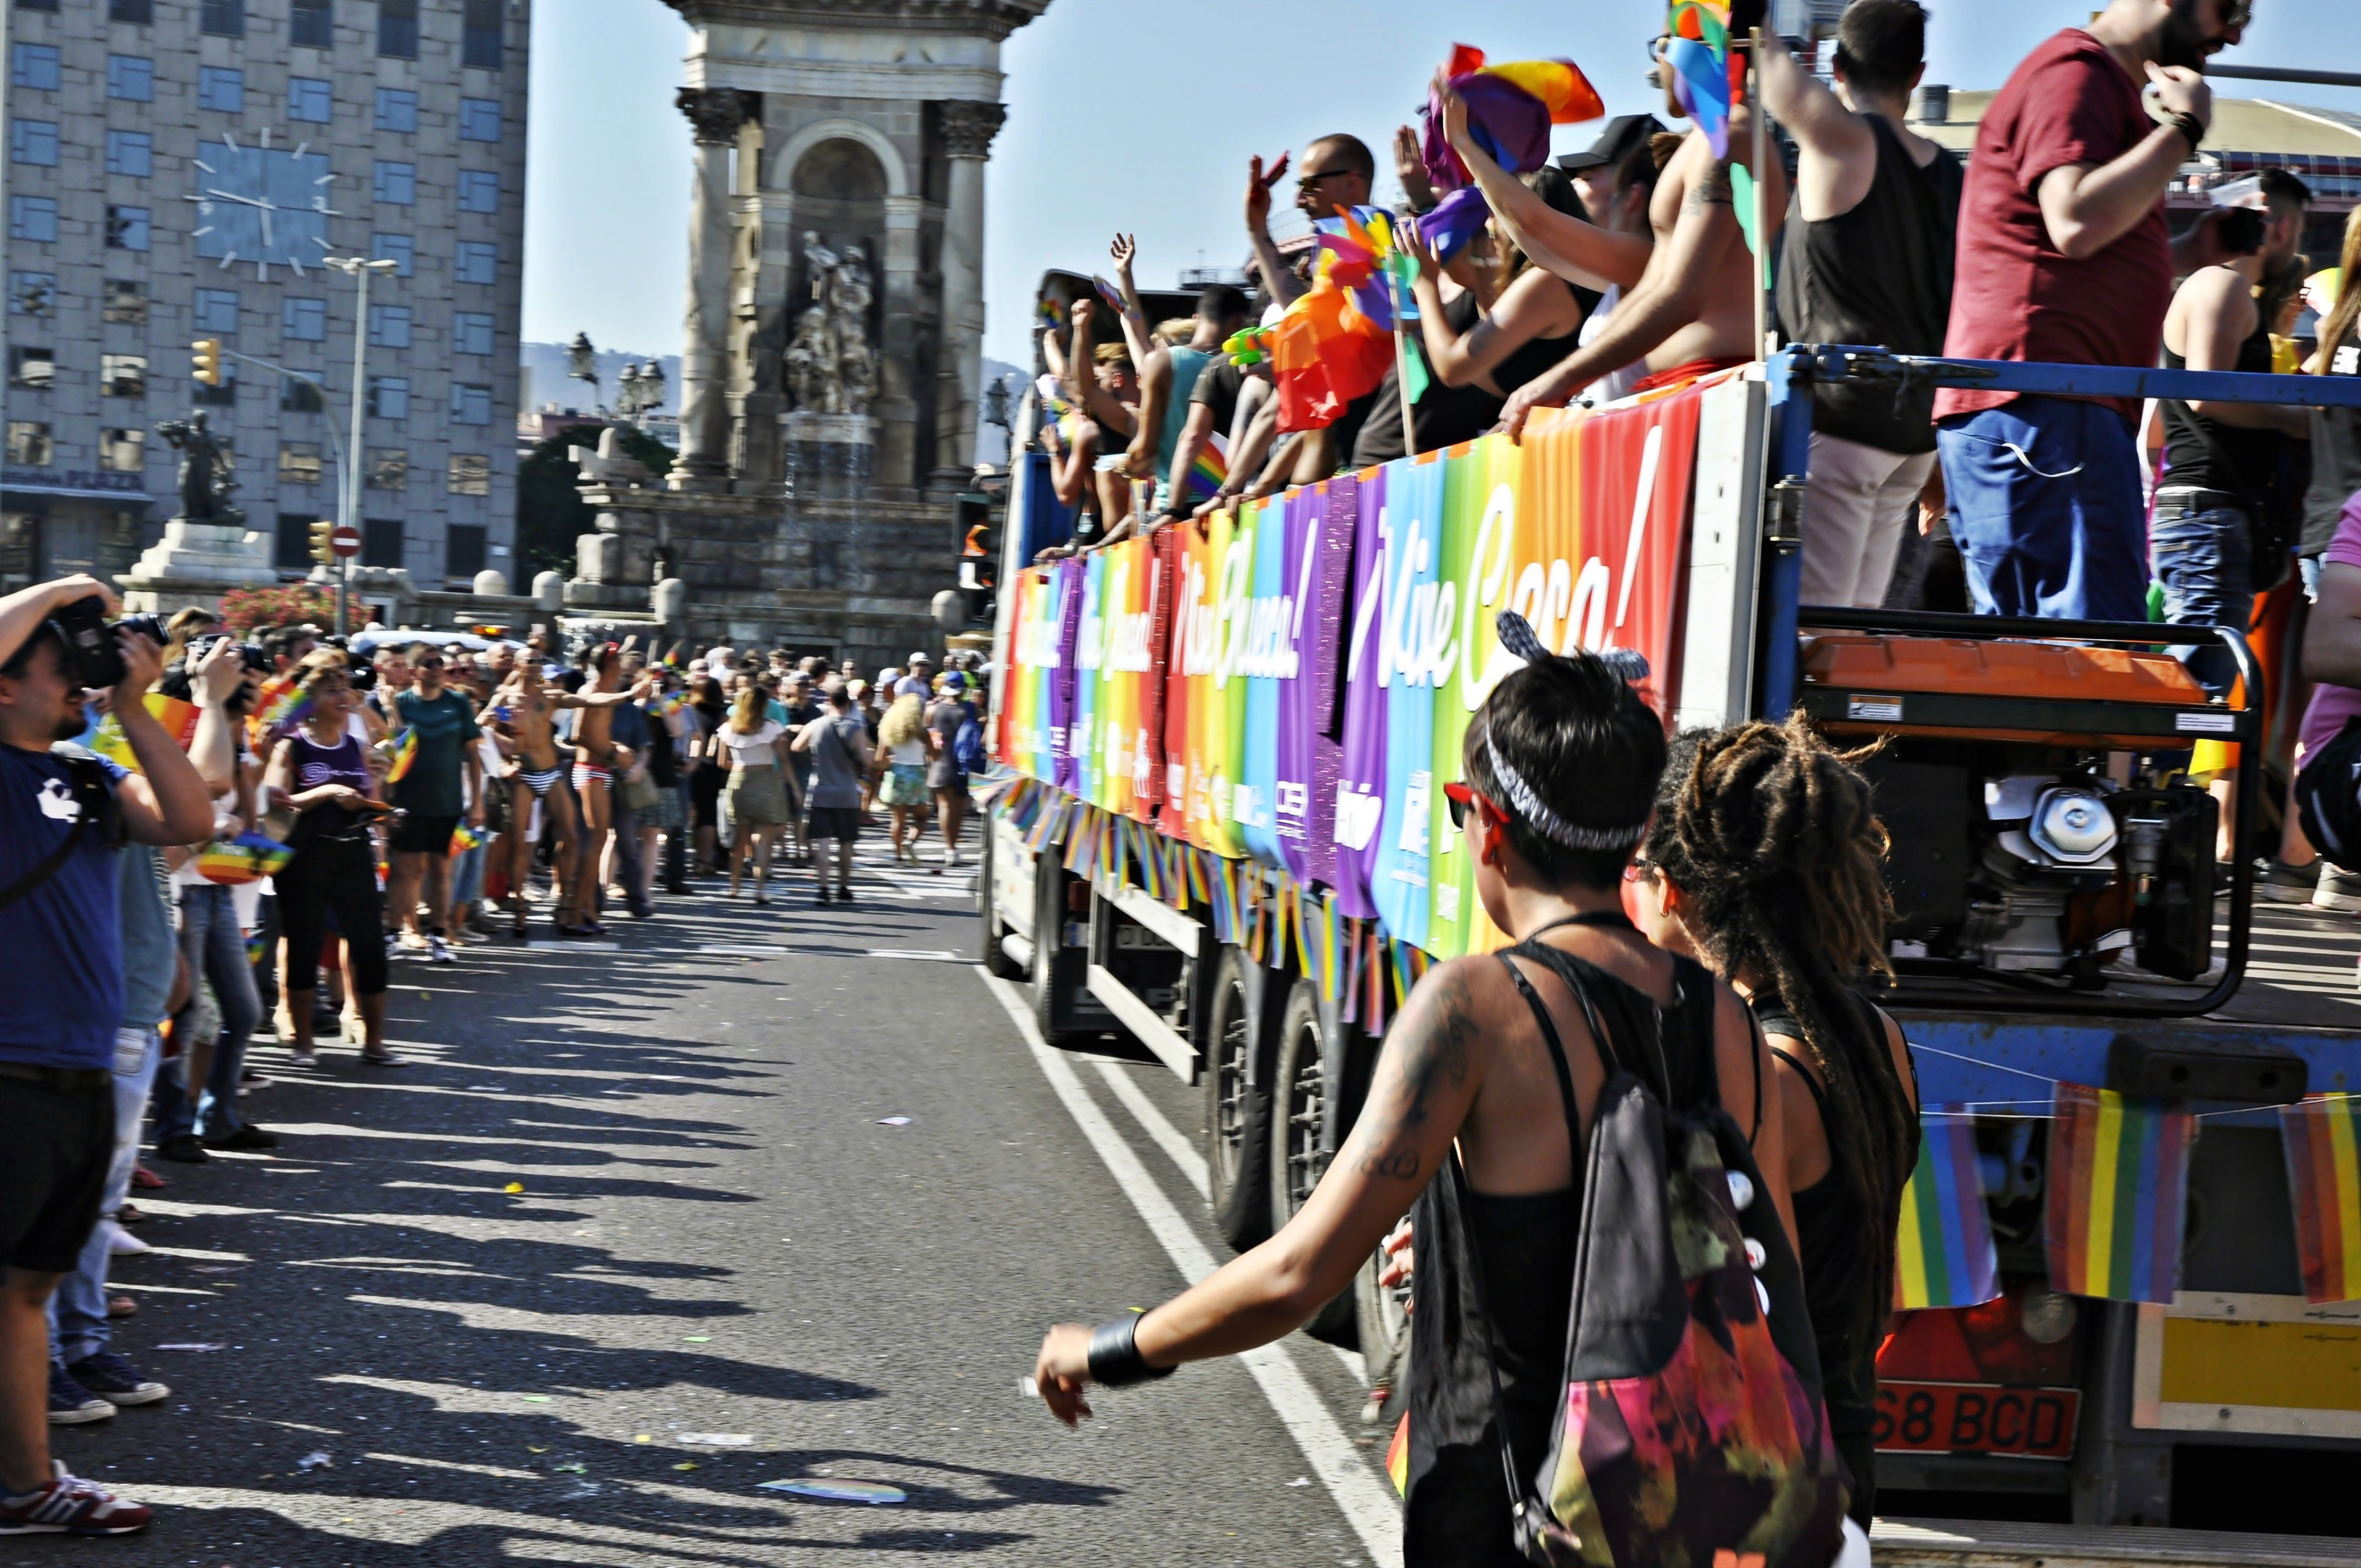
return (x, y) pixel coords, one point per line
(551, 512)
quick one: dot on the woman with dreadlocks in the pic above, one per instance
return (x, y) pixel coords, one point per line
(1764, 859)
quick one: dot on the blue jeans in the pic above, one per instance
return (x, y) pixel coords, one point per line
(2047, 511)
(78, 1312)
(467, 877)
(212, 945)
(2204, 559)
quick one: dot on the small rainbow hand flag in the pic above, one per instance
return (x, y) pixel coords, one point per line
(1943, 1256)
(249, 856)
(2321, 1136)
(1398, 1457)
(464, 839)
(177, 717)
(2118, 1183)
(404, 751)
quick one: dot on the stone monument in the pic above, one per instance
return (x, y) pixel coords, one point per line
(206, 550)
(834, 329)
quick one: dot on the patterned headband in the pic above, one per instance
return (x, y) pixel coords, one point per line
(1517, 636)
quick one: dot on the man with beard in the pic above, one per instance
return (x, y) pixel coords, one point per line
(2064, 258)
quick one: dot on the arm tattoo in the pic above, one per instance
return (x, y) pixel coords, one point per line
(1712, 190)
(1434, 1053)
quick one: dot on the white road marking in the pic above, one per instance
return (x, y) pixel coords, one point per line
(932, 955)
(1155, 1123)
(1367, 1504)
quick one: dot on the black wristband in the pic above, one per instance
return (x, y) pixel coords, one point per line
(1115, 1361)
(2191, 128)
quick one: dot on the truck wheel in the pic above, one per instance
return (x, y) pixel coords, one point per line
(1382, 1317)
(1237, 1114)
(995, 961)
(1299, 1156)
(1048, 943)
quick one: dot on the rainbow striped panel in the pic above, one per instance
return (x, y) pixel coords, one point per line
(405, 753)
(1943, 1255)
(2321, 1136)
(2117, 1185)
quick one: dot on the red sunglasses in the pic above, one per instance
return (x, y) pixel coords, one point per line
(1463, 800)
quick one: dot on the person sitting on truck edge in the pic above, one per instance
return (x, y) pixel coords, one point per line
(1561, 767)
(1869, 254)
(1616, 180)
(1689, 306)
(1174, 425)
(1102, 387)
(1765, 859)
(1338, 171)
(2064, 258)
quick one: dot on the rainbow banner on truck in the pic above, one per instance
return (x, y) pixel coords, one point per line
(1291, 682)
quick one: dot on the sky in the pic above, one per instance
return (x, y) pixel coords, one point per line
(1140, 114)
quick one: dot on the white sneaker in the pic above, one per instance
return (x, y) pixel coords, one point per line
(438, 951)
(121, 1242)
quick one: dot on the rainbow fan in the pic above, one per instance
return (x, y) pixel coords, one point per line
(249, 856)
(1510, 109)
(1336, 342)
(1705, 71)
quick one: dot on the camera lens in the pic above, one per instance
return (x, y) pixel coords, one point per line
(149, 626)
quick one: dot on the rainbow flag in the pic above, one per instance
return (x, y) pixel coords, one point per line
(2118, 1183)
(403, 748)
(280, 706)
(464, 839)
(177, 717)
(1206, 475)
(249, 856)
(2321, 1136)
(1943, 1256)
(1398, 1456)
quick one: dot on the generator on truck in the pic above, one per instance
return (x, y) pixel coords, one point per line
(1227, 838)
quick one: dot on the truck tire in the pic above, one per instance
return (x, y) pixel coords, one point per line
(1237, 1111)
(1382, 1319)
(995, 961)
(1049, 944)
(1299, 1153)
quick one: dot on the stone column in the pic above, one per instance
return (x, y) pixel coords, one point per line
(967, 130)
(715, 112)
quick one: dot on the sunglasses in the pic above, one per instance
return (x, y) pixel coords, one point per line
(1307, 181)
(1461, 800)
(428, 665)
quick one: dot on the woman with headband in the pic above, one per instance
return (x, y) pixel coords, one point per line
(1491, 1053)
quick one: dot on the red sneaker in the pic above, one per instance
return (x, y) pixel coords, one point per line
(147, 1180)
(72, 1506)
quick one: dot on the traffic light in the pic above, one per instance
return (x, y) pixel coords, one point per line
(324, 549)
(207, 353)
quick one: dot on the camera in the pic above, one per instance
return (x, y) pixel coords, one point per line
(91, 650)
(249, 654)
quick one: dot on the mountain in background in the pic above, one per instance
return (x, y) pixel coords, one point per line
(546, 380)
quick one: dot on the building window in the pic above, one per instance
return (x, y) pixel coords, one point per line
(123, 451)
(397, 29)
(37, 5)
(470, 405)
(476, 262)
(310, 98)
(125, 303)
(480, 39)
(298, 462)
(123, 375)
(388, 469)
(215, 312)
(396, 183)
(396, 110)
(479, 192)
(223, 18)
(132, 77)
(221, 89)
(381, 536)
(127, 228)
(33, 66)
(388, 397)
(471, 474)
(33, 368)
(34, 142)
(130, 152)
(297, 396)
(463, 544)
(305, 320)
(33, 218)
(388, 327)
(472, 333)
(480, 119)
(28, 443)
(394, 248)
(36, 294)
(222, 397)
(139, 11)
(312, 23)
(292, 545)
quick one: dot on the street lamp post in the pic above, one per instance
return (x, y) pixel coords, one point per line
(582, 364)
(348, 512)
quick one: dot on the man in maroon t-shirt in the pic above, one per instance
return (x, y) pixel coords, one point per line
(2064, 260)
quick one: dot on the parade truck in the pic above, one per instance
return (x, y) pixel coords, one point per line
(2131, 1252)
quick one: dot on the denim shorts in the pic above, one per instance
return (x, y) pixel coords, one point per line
(2204, 558)
(2047, 510)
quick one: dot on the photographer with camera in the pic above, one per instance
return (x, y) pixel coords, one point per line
(67, 814)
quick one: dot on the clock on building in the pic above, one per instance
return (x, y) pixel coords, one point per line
(262, 204)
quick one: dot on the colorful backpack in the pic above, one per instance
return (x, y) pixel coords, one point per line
(1693, 1431)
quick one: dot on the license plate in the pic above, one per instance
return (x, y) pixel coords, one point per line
(1976, 1418)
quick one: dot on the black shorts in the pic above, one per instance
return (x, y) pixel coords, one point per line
(59, 1143)
(416, 835)
(841, 823)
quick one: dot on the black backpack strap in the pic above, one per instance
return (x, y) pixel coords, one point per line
(94, 793)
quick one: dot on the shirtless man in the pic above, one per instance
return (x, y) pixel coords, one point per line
(524, 710)
(1689, 286)
(598, 760)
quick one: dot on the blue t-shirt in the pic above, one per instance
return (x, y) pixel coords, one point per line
(151, 948)
(64, 940)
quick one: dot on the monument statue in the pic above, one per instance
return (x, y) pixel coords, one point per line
(207, 473)
(831, 365)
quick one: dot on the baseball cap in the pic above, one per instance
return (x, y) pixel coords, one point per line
(1623, 133)
(920, 657)
(954, 680)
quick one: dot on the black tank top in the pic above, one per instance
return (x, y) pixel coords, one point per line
(1879, 274)
(2203, 453)
(1449, 415)
(1457, 1513)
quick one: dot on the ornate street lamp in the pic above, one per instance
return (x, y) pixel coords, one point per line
(582, 364)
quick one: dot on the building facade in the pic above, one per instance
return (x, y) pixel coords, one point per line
(178, 170)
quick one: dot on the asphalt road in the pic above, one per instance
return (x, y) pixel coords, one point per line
(626, 1197)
